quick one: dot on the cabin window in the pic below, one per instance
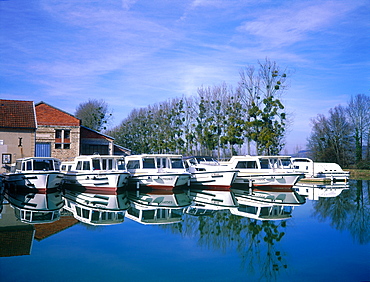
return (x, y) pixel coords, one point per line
(161, 162)
(121, 164)
(95, 216)
(133, 164)
(177, 163)
(264, 164)
(148, 163)
(79, 165)
(86, 165)
(85, 213)
(148, 214)
(246, 164)
(193, 161)
(265, 211)
(29, 165)
(42, 165)
(134, 212)
(78, 211)
(248, 209)
(107, 164)
(162, 213)
(176, 213)
(286, 163)
(96, 164)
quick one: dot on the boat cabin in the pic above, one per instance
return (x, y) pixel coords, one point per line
(154, 162)
(261, 162)
(36, 164)
(95, 162)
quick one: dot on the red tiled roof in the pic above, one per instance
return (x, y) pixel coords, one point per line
(48, 115)
(87, 133)
(17, 114)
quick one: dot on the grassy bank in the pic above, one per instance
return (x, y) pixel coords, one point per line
(363, 174)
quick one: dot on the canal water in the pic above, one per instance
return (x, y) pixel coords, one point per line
(311, 233)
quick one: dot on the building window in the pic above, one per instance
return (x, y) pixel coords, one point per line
(62, 139)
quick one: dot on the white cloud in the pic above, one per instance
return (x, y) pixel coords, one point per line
(288, 25)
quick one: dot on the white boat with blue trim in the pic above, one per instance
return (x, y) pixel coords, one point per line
(208, 172)
(161, 171)
(39, 173)
(96, 171)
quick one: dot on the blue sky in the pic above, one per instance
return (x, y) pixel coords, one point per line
(133, 53)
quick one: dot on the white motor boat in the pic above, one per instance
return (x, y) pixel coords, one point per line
(157, 170)
(206, 171)
(96, 207)
(96, 171)
(315, 171)
(39, 173)
(264, 171)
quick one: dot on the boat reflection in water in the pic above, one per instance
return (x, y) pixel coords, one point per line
(207, 201)
(35, 207)
(266, 205)
(153, 206)
(314, 191)
(96, 207)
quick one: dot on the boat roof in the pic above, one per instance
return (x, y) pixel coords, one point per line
(199, 157)
(98, 156)
(260, 157)
(38, 158)
(153, 156)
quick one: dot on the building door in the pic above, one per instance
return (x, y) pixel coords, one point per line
(43, 150)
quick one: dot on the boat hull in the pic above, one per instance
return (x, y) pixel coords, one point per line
(269, 180)
(165, 180)
(97, 180)
(214, 179)
(34, 180)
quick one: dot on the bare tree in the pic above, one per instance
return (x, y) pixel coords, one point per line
(359, 115)
(94, 114)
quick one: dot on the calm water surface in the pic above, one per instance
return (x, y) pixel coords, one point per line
(314, 233)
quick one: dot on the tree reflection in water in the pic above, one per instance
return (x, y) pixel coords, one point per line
(254, 240)
(348, 211)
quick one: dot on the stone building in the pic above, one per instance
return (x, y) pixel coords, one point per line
(17, 131)
(41, 130)
(58, 133)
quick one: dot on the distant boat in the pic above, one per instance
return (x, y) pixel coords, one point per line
(157, 171)
(96, 172)
(264, 171)
(39, 173)
(208, 172)
(318, 171)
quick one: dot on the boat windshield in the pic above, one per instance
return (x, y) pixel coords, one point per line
(148, 163)
(177, 163)
(43, 165)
